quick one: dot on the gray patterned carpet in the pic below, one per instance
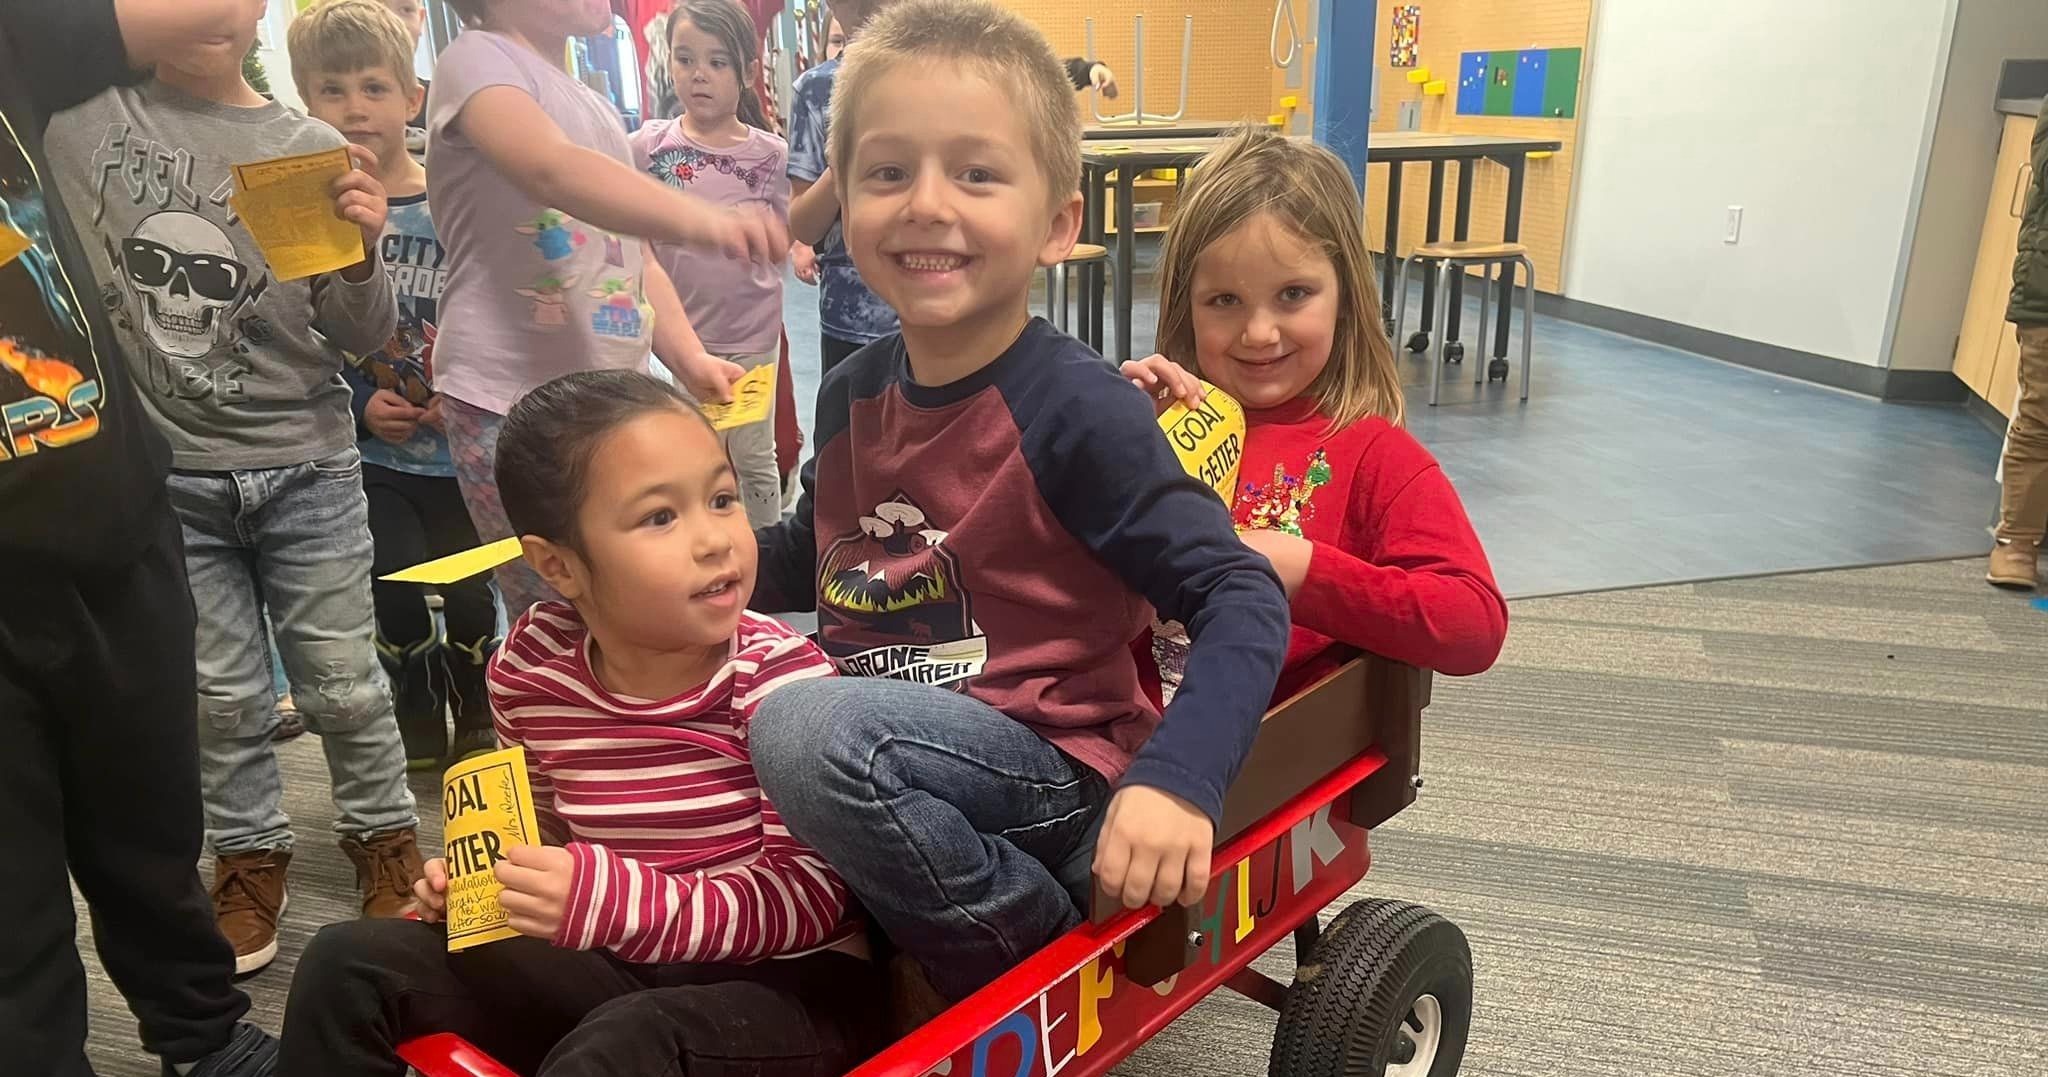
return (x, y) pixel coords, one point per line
(1778, 826)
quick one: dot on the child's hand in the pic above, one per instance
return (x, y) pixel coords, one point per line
(1154, 849)
(710, 378)
(805, 261)
(432, 415)
(748, 232)
(359, 199)
(1290, 556)
(390, 417)
(537, 880)
(430, 891)
(1167, 381)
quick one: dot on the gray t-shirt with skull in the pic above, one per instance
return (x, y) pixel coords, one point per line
(239, 370)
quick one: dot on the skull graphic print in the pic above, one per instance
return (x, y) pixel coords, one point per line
(185, 278)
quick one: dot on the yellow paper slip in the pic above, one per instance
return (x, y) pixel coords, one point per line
(488, 808)
(12, 243)
(287, 204)
(752, 395)
(459, 566)
(1209, 440)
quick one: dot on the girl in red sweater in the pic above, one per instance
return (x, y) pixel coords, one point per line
(1266, 291)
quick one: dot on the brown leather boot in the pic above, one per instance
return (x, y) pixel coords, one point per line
(248, 899)
(2013, 564)
(387, 864)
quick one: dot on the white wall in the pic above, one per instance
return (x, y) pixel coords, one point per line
(1809, 114)
(1958, 177)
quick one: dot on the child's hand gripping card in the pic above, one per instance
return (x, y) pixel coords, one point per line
(488, 808)
(752, 395)
(287, 204)
(1209, 440)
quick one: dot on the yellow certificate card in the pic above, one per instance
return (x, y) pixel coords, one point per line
(1209, 440)
(488, 808)
(12, 243)
(752, 396)
(288, 205)
(459, 566)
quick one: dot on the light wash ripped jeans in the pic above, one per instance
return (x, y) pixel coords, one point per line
(295, 540)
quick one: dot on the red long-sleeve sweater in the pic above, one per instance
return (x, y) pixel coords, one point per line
(1397, 569)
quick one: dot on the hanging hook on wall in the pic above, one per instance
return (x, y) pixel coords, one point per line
(1284, 10)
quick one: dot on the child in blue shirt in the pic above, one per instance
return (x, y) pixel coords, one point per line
(416, 508)
(849, 315)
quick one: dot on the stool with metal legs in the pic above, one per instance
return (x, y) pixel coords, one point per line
(1056, 309)
(1451, 258)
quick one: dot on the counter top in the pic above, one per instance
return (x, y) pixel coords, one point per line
(2020, 106)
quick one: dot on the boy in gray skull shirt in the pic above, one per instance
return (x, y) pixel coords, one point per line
(242, 373)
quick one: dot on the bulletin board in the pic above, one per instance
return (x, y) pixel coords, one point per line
(1507, 31)
(1230, 73)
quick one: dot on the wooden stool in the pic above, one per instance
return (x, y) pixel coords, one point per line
(1453, 258)
(1056, 280)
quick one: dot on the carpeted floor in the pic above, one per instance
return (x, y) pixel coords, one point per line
(1795, 825)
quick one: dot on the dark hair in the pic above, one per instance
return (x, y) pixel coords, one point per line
(545, 445)
(735, 29)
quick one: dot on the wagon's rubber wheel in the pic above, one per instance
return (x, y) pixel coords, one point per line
(1386, 992)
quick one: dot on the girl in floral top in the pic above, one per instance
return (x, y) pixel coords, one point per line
(720, 150)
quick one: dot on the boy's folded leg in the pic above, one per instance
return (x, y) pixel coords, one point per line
(814, 1016)
(365, 986)
(957, 827)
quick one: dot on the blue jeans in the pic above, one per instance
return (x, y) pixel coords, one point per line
(968, 838)
(294, 540)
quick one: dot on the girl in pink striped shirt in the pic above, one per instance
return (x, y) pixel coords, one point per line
(649, 924)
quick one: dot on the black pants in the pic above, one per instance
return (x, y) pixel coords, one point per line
(365, 986)
(415, 518)
(99, 770)
(833, 351)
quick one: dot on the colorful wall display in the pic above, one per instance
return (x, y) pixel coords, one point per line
(1406, 40)
(1535, 83)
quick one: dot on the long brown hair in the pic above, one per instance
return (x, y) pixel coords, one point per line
(1309, 191)
(735, 30)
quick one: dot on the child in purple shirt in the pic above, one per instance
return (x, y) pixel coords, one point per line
(546, 221)
(720, 150)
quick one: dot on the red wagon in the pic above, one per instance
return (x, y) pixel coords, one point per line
(1385, 988)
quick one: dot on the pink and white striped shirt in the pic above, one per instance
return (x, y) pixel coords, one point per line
(678, 855)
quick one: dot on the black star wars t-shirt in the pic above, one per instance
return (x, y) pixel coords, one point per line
(80, 466)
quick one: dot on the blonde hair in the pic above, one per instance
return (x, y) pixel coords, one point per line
(340, 36)
(983, 38)
(1309, 191)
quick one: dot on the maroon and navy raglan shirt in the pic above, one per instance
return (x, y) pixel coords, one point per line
(1008, 535)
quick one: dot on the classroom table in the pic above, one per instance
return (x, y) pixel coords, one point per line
(1392, 148)
(1122, 132)
(1397, 148)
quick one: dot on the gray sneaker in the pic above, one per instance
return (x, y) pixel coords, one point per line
(250, 1052)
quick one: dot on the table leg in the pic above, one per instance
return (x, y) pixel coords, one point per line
(1432, 231)
(1126, 241)
(1511, 232)
(1393, 240)
(1091, 273)
(1461, 229)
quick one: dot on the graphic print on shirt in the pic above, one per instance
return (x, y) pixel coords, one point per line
(553, 234)
(892, 603)
(619, 313)
(50, 380)
(549, 297)
(1285, 503)
(679, 166)
(415, 263)
(179, 280)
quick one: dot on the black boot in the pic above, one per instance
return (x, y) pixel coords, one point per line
(421, 706)
(464, 665)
